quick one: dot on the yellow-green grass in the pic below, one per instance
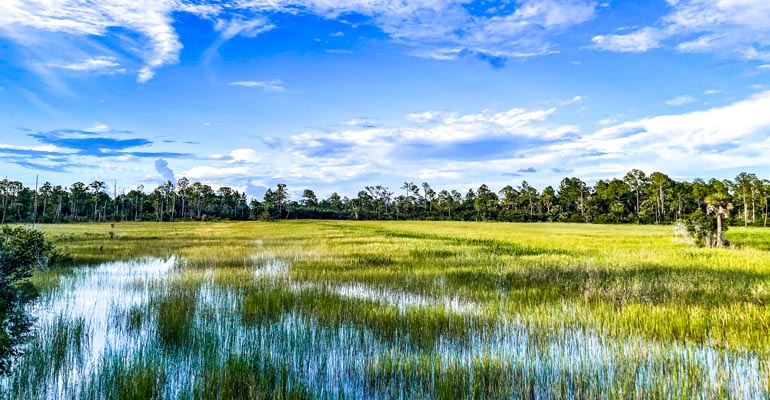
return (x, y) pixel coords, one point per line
(650, 296)
(624, 279)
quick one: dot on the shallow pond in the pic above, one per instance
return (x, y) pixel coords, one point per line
(156, 328)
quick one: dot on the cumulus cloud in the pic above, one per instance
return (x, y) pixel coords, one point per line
(161, 166)
(734, 136)
(429, 145)
(244, 155)
(472, 147)
(434, 134)
(436, 144)
(458, 150)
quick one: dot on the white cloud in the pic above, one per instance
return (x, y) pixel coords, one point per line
(98, 127)
(270, 86)
(681, 100)
(99, 64)
(637, 42)
(712, 91)
(219, 171)
(442, 29)
(733, 136)
(150, 18)
(244, 155)
(243, 27)
(429, 144)
(737, 28)
(607, 121)
(362, 122)
(455, 150)
(48, 148)
(573, 100)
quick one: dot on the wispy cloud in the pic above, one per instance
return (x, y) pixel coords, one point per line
(243, 27)
(100, 64)
(99, 127)
(573, 100)
(64, 149)
(607, 121)
(681, 100)
(363, 122)
(636, 42)
(443, 29)
(86, 20)
(88, 143)
(732, 28)
(103, 151)
(275, 85)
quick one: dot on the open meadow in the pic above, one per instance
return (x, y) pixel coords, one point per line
(445, 310)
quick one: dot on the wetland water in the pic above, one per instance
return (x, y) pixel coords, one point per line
(158, 328)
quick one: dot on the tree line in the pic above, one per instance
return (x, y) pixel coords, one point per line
(635, 198)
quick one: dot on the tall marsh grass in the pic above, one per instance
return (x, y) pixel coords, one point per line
(441, 310)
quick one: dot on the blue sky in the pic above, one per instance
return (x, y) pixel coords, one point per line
(335, 95)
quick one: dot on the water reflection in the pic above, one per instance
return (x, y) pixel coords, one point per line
(101, 320)
(15, 322)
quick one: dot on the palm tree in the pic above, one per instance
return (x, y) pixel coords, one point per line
(719, 204)
(182, 185)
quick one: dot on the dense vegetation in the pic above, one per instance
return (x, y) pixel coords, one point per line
(21, 251)
(408, 309)
(637, 198)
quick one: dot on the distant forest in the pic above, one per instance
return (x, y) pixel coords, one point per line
(636, 198)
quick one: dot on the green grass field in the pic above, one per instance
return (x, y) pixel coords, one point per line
(312, 309)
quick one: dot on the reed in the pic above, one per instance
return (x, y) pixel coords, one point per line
(320, 309)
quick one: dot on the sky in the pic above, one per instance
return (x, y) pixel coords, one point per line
(336, 95)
